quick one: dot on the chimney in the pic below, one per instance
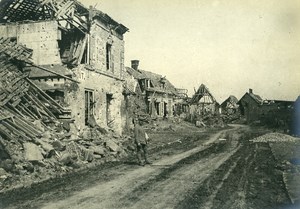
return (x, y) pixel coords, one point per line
(250, 91)
(135, 64)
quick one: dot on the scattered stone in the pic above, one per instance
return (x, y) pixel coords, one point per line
(46, 135)
(66, 126)
(96, 156)
(130, 147)
(38, 124)
(2, 172)
(49, 149)
(86, 134)
(32, 152)
(7, 165)
(112, 146)
(88, 155)
(99, 150)
(58, 145)
(65, 158)
(29, 167)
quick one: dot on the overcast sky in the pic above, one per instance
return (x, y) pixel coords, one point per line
(230, 46)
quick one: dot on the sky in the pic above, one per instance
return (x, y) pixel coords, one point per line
(230, 46)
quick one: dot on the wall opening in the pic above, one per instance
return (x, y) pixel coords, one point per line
(165, 109)
(73, 47)
(89, 105)
(157, 107)
(108, 56)
(109, 119)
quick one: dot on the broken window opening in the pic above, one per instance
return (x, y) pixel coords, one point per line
(109, 119)
(89, 105)
(84, 59)
(157, 104)
(147, 83)
(57, 96)
(73, 47)
(108, 56)
(165, 109)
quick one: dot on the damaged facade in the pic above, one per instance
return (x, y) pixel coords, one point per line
(274, 113)
(71, 41)
(153, 93)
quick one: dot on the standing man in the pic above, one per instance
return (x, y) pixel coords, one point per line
(140, 138)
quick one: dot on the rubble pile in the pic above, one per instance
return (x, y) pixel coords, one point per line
(210, 121)
(56, 153)
(231, 118)
(275, 137)
(34, 144)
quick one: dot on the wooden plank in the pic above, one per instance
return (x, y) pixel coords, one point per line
(42, 105)
(16, 111)
(20, 129)
(82, 49)
(30, 126)
(43, 94)
(15, 131)
(50, 71)
(4, 131)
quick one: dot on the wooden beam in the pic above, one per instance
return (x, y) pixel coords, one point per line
(50, 71)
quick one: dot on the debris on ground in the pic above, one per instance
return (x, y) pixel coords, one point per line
(34, 143)
(275, 137)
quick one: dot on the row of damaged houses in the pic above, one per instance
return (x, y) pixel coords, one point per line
(251, 107)
(78, 62)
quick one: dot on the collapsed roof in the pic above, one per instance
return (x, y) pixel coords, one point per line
(204, 95)
(230, 102)
(70, 11)
(155, 80)
(21, 101)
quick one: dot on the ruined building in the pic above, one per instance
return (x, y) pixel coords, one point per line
(250, 106)
(230, 106)
(182, 106)
(81, 52)
(203, 102)
(153, 93)
(274, 113)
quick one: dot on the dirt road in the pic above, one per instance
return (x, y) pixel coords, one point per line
(222, 171)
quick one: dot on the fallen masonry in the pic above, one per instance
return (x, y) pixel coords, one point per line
(35, 144)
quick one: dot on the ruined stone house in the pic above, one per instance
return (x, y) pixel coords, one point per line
(71, 41)
(203, 102)
(154, 94)
(250, 106)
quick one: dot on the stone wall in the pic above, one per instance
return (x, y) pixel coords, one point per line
(41, 37)
(99, 38)
(102, 86)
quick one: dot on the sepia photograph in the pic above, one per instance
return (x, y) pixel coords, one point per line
(141, 104)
